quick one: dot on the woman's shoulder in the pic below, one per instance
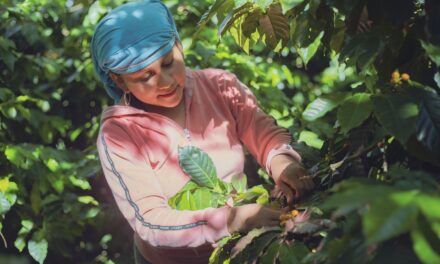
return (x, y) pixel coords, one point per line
(209, 73)
(215, 78)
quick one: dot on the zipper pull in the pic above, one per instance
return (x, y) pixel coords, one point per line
(186, 134)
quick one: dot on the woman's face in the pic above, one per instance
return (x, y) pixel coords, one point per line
(160, 83)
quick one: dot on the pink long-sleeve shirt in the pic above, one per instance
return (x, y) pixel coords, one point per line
(138, 153)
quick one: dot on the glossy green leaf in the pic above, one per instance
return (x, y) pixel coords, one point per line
(5, 205)
(426, 242)
(354, 111)
(247, 239)
(253, 252)
(307, 53)
(437, 79)
(221, 253)
(397, 113)
(38, 249)
(311, 139)
(197, 198)
(252, 195)
(35, 199)
(246, 249)
(428, 123)
(386, 219)
(239, 182)
(429, 205)
(287, 256)
(199, 166)
(233, 17)
(217, 6)
(20, 243)
(271, 253)
(433, 51)
(322, 105)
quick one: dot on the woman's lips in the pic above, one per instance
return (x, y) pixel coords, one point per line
(170, 93)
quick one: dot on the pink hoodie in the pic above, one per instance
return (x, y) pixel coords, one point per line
(138, 153)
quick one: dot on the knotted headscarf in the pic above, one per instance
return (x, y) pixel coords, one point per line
(131, 37)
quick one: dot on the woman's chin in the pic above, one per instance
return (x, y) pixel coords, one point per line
(172, 100)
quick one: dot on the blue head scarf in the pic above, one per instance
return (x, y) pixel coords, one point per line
(131, 37)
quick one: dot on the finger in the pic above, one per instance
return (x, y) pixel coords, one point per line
(297, 186)
(308, 182)
(288, 192)
(276, 192)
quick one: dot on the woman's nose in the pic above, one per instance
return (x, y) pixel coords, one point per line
(166, 79)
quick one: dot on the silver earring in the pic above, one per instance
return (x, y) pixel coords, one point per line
(127, 98)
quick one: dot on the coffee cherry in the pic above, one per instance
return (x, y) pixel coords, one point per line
(405, 77)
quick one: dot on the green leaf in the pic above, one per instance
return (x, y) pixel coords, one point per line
(35, 199)
(433, 51)
(255, 194)
(195, 199)
(246, 240)
(287, 256)
(353, 194)
(429, 204)
(426, 242)
(199, 166)
(221, 253)
(232, 17)
(87, 199)
(354, 110)
(311, 139)
(397, 113)
(289, 4)
(428, 123)
(204, 198)
(251, 245)
(254, 250)
(5, 205)
(308, 52)
(239, 182)
(274, 26)
(4, 185)
(213, 9)
(38, 249)
(20, 243)
(263, 4)
(386, 219)
(271, 253)
(299, 249)
(322, 105)
(362, 50)
(437, 79)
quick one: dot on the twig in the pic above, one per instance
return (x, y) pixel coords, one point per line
(4, 240)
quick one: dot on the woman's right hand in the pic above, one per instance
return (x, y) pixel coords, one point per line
(247, 217)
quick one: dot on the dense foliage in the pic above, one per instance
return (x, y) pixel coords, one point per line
(357, 81)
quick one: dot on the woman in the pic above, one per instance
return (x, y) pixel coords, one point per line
(161, 105)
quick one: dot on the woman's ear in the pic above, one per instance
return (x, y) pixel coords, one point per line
(117, 79)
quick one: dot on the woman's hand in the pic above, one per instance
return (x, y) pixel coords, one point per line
(247, 217)
(290, 178)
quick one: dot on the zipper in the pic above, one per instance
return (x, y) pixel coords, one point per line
(186, 134)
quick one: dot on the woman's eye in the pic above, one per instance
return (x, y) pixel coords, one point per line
(146, 78)
(166, 65)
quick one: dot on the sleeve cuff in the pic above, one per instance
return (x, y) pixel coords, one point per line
(283, 149)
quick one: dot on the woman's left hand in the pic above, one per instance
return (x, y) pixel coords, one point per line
(290, 178)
